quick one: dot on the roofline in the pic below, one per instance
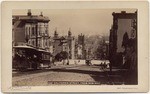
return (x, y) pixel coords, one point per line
(45, 19)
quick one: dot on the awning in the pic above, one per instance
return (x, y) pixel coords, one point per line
(31, 48)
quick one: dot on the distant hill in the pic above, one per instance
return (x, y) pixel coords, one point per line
(92, 41)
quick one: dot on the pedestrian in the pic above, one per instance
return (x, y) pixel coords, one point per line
(67, 61)
(105, 65)
(51, 61)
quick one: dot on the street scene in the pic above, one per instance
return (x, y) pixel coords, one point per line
(71, 74)
(74, 47)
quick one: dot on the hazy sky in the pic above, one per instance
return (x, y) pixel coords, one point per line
(86, 21)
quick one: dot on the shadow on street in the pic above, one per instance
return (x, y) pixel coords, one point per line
(104, 76)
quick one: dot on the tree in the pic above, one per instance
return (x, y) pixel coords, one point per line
(125, 40)
(61, 56)
(58, 57)
(64, 55)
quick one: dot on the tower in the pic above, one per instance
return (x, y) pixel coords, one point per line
(41, 14)
(81, 46)
(55, 33)
(69, 33)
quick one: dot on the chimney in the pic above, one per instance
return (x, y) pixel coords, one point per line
(41, 14)
(29, 12)
(69, 32)
(123, 11)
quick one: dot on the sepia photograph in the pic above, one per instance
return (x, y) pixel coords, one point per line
(75, 46)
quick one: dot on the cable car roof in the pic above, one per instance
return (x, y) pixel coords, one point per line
(24, 47)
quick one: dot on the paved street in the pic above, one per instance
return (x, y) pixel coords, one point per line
(72, 72)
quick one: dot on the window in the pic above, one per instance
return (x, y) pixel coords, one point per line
(33, 31)
(45, 42)
(43, 56)
(39, 42)
(29, 42)
(39, 30)
(25, 31)
(46, 30)
(33, 42)
(133, 22)
(29, 31)
(53, 48)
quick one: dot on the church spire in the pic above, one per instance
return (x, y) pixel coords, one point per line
(69, 32)
(55, 33)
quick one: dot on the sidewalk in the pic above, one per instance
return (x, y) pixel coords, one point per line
(82, 62)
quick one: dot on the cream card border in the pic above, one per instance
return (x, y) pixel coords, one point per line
(143, 52)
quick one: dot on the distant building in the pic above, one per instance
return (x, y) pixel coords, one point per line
(106, 50)
(80, 47)
(64, 43)
(102, 51)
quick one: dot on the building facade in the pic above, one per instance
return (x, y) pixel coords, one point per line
(123, 31)
(31, 31)
(123, 44)
(80, 50)
(64, 44)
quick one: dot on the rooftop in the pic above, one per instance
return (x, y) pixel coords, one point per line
(31, 18)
